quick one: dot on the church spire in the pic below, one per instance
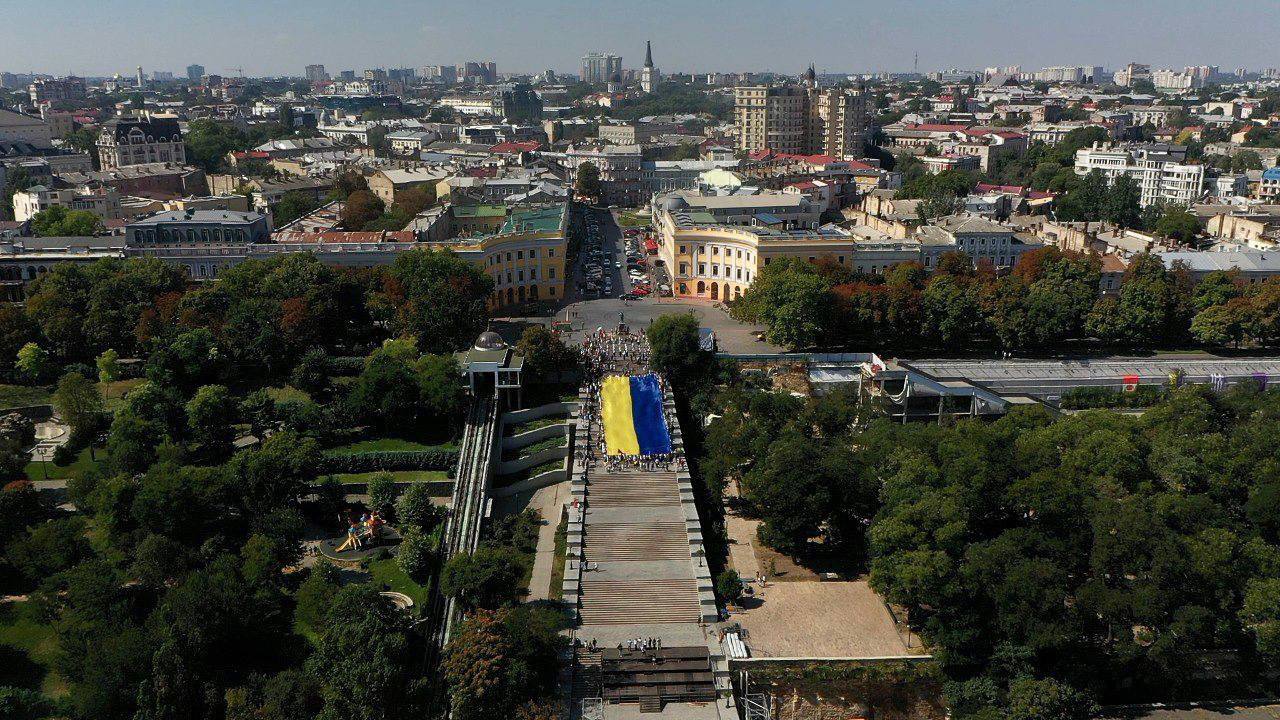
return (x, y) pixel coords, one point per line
(648, 54)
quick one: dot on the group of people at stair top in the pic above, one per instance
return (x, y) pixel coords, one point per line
(362, 531)
(620, 351)
(643, 644)
(606, 351)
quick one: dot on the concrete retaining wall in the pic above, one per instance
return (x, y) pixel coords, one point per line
(541, 480)
(515, 417)
(524, 439)
(524, 463)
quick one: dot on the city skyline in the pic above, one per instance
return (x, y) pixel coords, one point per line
(854, 36)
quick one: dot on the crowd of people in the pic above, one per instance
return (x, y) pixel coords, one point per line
(614, 352)
(607, 352)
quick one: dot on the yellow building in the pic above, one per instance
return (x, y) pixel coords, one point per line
(525, 257)
(716, 261)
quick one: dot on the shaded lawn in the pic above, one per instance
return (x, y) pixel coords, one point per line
(557, 562)
(548, 466)
(397, 475)
(113, 393)
(555, 441)
(387, 575)
(524, 427)
(28, 649)
(84, 463)
(288, 393)
(24, 395)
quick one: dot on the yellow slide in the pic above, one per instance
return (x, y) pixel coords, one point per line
(615, 410)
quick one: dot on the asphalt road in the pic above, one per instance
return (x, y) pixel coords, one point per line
(587, 314)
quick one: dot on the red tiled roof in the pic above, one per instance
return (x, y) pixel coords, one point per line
(1011, 189)
(337, 236)
(937, 127)
(514, 148)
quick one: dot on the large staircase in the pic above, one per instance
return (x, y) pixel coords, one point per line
(637, 541)
(627, 602)
(629, 489)
(617, 589)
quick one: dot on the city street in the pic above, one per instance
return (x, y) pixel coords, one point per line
(585, 312)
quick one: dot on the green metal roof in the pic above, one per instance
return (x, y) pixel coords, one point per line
(479, 211)
(535, 220)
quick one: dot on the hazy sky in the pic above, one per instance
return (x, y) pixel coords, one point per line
(101, 37)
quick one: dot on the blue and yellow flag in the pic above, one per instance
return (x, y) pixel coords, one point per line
(631, 408)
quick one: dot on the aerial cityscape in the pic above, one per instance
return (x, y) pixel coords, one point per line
(607, 361)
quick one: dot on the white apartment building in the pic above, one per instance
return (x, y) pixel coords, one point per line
(103, 202)
(621, 167)
(1159, 170)
(16, 127)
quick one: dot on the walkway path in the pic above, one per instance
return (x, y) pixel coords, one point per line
(549, 502)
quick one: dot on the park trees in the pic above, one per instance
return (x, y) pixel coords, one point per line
(364, 658)
(211, 413)
(790, 299)
(502, 664)
(1073, 550)
(489, 578)
(791, 489)
(545, 352)
(588, 184)
(61, 221)
(437, 297)
(675, 349)
(79, 403)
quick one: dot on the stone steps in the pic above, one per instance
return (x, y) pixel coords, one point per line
(621, 602)
(635, 541)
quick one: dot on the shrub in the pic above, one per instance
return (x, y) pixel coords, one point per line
(390, 460)
(416, 556)
(64, 455)
(382, 494)
(415, 510)
(729, 586)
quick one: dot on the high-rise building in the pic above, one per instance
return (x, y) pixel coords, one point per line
(347, 75)
(316, 73)
(517, 103)
(802, 119)
(650, 76)
(484, 72)
(600, 67)
(139, 81)
(68, 88)
(195, 72)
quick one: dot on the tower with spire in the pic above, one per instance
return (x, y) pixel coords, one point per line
(650, 76)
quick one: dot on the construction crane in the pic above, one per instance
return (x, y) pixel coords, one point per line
(239, 70)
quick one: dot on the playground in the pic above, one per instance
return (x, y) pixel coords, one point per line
(367, 532)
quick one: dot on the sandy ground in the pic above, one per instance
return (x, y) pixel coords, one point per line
(819, 620)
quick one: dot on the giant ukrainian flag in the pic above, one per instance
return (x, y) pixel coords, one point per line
(631, 408)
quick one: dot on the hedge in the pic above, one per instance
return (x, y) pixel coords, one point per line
(345, 365)
(390, 460)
